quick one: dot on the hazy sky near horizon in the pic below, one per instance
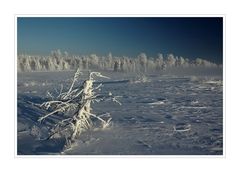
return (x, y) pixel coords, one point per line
(188, 37)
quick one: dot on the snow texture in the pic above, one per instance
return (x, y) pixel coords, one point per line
(167, 113)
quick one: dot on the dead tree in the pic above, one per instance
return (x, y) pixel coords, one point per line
(74, 108)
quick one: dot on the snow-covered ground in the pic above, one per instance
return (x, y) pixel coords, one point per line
(160, 115)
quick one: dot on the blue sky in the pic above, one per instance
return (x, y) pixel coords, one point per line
(188, 37)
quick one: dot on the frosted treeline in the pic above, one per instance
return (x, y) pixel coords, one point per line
(58, 61)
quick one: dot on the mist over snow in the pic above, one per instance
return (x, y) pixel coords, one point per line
(58, 61)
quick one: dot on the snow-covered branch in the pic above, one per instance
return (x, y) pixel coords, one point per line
(75, 108)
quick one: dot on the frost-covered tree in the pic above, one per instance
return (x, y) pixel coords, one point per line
(124, 64)
(151, 66)
(181, 61)
(204, 63)
(198, 62)
(94, 61)
(159, 62)
(85, 62)
(26, 64)
(186, 62)
(73, 109)
(56, 53)
(109, 61)
(56, 61)
(117, 66)
(66, 54)
(142, 57)
(171, 60)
